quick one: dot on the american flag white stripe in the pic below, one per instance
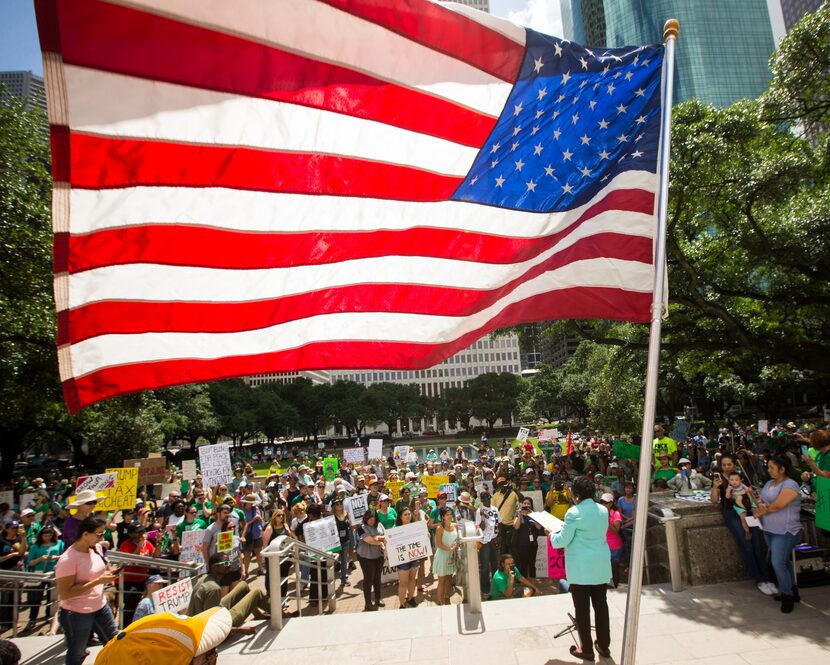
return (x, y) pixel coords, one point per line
(160, 111)
(114, 350)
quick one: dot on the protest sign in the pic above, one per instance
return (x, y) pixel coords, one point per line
(483, 485)
(433, 484)
(388, 574)
(27, 500)
(536, 498)
(330, 466)
(354, 455)
(545, 435)
(173, 598)
(7, 497)
(125, 492)
(394, 487)
(215, 462)
(542, 558)
(151, 470)
(522, 435)
(224, 542)
(375, 448)
(400, 452)
(625, 450)
(449, 488)
(763, 426)
(189, 469)
(681, 430)
(322, 534)
(191, 545)
(406, 543)
(356, 506)
(556, 562)
(822, 486)
(98, 483)
(166, 488)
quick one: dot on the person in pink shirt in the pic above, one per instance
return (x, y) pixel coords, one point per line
(614, 536)
(81, 573)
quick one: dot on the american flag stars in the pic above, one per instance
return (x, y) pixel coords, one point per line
(604, 101)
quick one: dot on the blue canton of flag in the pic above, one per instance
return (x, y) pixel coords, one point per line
(575, 119)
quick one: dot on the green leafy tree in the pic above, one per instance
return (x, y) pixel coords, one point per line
(394, 402)
(234, 404)
(186, 413)
(312, 404)
(352, 406)
(494, 396)
(456, 407)
(541, 394)
(123, 428)
(275, 415)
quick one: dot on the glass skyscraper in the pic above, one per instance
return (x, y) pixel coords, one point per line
(724, 47)
(794, 10)
(583, 21)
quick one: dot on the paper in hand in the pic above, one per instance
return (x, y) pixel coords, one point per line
(547, 521)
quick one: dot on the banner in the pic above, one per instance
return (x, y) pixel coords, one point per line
(97, 483)
(522, 435)
(556, 562)
(407, 543)
(215, 462)
(151, 470)
(174, 597)
(322, 534)
(356, 506)
(354, 455)
(625, 450)
(125, 492)
(189, 469)
(822, 486)
(433, 484)
(330, 467)
(394, 487)
(375, 448)
(191, 546)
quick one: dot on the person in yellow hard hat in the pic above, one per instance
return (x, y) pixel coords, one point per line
(170, 639)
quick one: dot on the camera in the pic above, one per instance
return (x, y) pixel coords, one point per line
(559, 486)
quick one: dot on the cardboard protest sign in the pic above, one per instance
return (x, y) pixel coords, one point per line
(125, 492)
(330, 466)
(483, 485)
(151, 470)
(400, 452)
(406, 543)
(433, 484)
(375, 448)
(542, 558)
(546, 435)
(356, 506)
(224, 541)
(27, 500)
(215, 462)
(189, 469)
(191, 545)
(166, 488)
(173, 598)
(523, 434)
(394, 487)
(322, 534)
(98, 483)
(556, 562)
(354, 455)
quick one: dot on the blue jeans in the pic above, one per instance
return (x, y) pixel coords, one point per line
(752, 551)
(781, 546)
(77, 628)
(344, 562)
(488, 564)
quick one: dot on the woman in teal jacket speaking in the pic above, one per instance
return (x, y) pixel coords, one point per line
(588, 566)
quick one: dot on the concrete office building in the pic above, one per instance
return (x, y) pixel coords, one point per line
(27, 87)
(794, 10)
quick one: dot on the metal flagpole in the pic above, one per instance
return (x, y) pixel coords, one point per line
(635, 580)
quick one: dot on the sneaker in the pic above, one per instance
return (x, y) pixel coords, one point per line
(766, 588)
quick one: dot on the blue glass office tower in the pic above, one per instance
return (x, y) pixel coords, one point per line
(724, 47)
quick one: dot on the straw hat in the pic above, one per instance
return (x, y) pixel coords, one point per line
(465, 499)
(167, 638)
(82, 497)
(252, 499)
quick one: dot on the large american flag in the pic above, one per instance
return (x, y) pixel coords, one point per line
(262, 186)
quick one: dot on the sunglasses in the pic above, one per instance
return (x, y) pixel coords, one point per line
(91, 503)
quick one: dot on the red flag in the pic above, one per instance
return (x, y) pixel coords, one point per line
(249, 187)
(570, 448)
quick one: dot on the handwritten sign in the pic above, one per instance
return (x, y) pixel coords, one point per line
(215, 462)
(174, 597)
(356, 506)
(433, 484)
(556, 562)
(224, 542)
(822, 486)
(394, 488)
(151, 470)
(375, 448)
(191, 545)
(484, 486)
(406, 543)
(322, 534)
(97, 483)
(354, 455)
(523, 434)
(189, 469)
(125, 492)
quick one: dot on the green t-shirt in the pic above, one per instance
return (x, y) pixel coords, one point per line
(822, 460)
(183, 526)
(200, 509)
(664, 445)
(31, 532)
(500, 582)
(665, 474)
(389, 519)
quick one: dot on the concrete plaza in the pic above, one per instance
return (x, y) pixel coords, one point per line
(711, 625)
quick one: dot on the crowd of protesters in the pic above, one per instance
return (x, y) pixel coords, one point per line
(758, 479)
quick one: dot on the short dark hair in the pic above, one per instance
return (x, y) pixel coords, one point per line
(90, 524)
(583, 488)
(504, 557)
(39, 541)
(315, 510)
(9, 653)
(782, 461)
(368, 515)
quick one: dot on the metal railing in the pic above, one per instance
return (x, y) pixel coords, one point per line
(300, 555)
(171, 570)
(469, 537)
(12, 585)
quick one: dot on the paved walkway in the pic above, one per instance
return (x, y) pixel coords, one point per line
(730, 624)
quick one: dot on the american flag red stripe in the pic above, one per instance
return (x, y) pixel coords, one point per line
(202, 231)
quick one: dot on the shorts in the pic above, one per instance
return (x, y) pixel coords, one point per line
(250, 545)
(402, 568)
(231, 577)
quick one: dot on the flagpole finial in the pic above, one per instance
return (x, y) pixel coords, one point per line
(671, 29)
